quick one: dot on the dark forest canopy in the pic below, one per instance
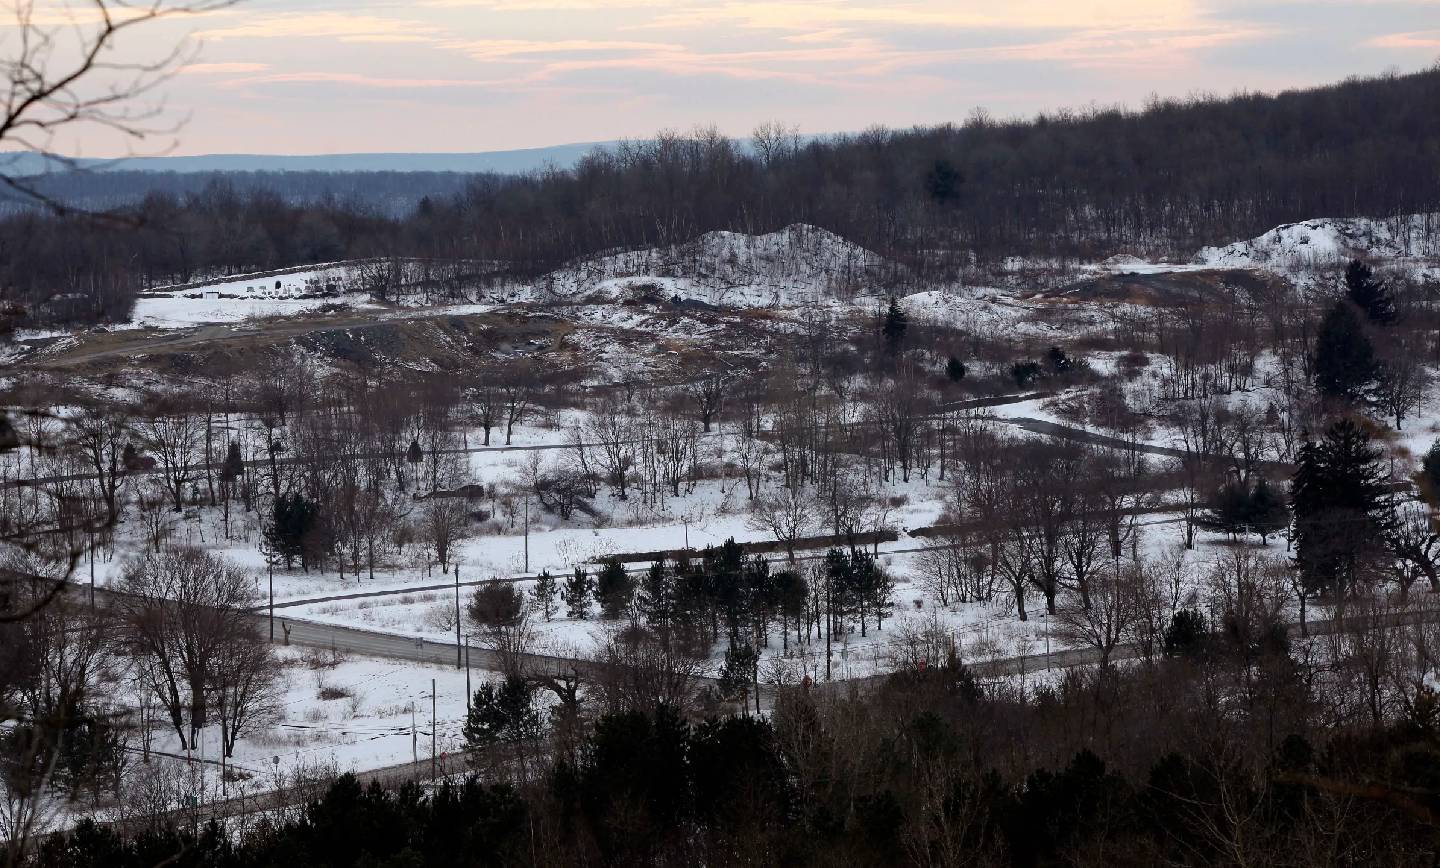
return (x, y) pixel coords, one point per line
(1165, 179)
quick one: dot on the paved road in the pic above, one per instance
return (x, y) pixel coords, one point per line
(395, 647)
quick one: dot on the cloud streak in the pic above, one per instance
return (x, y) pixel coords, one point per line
(592, 69)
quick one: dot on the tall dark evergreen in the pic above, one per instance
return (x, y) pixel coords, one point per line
(234, 466)
(894, 326)
(614, 589)
(503, 713)
(292, 521)
(1252, 506)
(1342, 511)
(1345, 365)
(544, 593)
(1369, 293)
(577, 594)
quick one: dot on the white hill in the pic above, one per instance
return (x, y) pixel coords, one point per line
(795, 265)
(1331, 240)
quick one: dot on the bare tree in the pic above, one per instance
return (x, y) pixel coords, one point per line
(1414, 547)
(1115, 606)
(707, 395)
(787, 513)
(187, 620)
(100, 437)
(613, 433)
(1404, 381)
(444, 523)
(175, 441)
(63, 76)
(518, 387)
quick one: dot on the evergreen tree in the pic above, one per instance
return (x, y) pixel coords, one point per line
(1059, 362)
(1229, 509)
(1430, 472)
(234, 465)
(502, 714)
(413, 456)
(740, 671)
(614, 589)
(496, 604)
(657, 596)
(955, 369)
(1345, 365)
(544, 593)
(943, 182)
(292, 522)
(1269, 513)
(576, 594)
(894, 326)
(792, 595)
(1025, 373)
(1369, 293)
(1342, 510)
(1246, 507)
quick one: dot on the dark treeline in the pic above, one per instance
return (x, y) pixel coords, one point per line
(1229, 749)
(1166, 179)
(394, 194)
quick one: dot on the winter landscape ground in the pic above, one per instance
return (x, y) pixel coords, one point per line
(1046, 492)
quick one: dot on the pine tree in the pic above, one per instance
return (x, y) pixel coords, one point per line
(1369, 293)
(1025, 373)
(292, 521)
(1246, 507)
(234, 465)
(1345, 365)
(614, 589)
(413, 456)
(895, 325)
(1268, 513)
(1059, 362)
(1229, 509)
(502, 714)
(1430, 472)
(1342, 511)
(739, 671)
(544, 593)
(955, 369)
(576, 594)
(657, 596)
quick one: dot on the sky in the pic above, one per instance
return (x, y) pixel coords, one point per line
(320, 76)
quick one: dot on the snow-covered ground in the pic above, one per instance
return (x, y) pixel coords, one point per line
(183, 311)
(1331, 241)
(799, 264)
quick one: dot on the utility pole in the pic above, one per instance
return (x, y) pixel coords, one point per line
(829, 622)
(457, 616)
(527, 532)
(432, 729)
(271, 565)
(414, 739)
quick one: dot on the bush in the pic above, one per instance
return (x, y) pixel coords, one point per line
(495, 604)
(1186, 634)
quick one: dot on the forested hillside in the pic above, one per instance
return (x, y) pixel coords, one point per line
(1164, 180)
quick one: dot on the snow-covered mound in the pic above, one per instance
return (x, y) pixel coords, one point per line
(796, 265)
(1331, 240)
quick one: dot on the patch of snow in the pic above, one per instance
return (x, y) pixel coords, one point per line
(1331, 240)
(799, 264)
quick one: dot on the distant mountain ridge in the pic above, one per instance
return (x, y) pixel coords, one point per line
(510, 162)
